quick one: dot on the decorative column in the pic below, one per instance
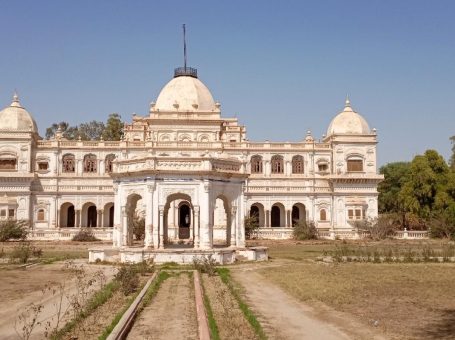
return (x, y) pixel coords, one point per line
(267, 218)
(78, 218)
(161, 241)
(58, 218)
(124, 226)
(234, 231)
(196, 227)
(205, 212)
(148, 239)
(99, 218)
(288, 219)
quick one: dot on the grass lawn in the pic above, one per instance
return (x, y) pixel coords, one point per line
(405, 300)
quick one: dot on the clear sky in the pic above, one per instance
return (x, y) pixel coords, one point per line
(281, 67)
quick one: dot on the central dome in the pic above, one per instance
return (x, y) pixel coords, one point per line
(185, 93)
(15, 117)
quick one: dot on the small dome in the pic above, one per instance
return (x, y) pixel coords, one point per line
(348, 122)
(15, 117)
(185, 93)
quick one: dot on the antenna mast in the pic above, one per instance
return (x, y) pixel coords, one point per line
(184, 47)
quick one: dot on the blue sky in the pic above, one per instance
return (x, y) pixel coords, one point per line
(281, 67)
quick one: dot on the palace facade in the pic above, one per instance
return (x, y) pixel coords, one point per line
(192, 174)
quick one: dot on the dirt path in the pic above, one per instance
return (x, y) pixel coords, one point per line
(283, 317)
(33, 280)
(171, 314)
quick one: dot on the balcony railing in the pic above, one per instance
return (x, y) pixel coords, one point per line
(185, 71)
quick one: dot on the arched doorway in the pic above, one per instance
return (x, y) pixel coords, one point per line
(257, 210)
(135, 220)
(184, 220)
(91, 216)
(221, 233)
(67, 215)
(111, 217)
(277, 216)
(298, 213)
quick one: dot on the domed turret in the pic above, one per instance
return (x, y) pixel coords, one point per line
(15, 117)
(348, 122)
(185, 92)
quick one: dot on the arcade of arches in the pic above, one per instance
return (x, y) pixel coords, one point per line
(278, 216)
(88, 216)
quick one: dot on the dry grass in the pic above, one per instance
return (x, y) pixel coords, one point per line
(229, 318)
(406, 301)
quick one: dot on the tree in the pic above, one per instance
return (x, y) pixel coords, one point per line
(91, 130)
(395, 174)
(13, 230)
(251, 226)
(50, 131)
(114, 127)
(452, 158)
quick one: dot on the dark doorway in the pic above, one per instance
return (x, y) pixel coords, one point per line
(295, 215)
(91, 217)
(184, 221)
(276, 218)
(254, 212)
(111, 217)
(70, 218)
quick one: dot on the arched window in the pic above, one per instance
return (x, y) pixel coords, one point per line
(355, 164)
(68, 163)
(8, 161)
(108, 163)
(322, 215)
(297, 165)
(256, 165)
(40, 215)
(90, 163)
(277, 164)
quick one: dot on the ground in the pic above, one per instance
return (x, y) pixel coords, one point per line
(293, 295)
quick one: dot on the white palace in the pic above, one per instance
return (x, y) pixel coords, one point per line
(191, 173)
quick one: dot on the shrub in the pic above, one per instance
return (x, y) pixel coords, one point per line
(251, 226)
(24, 251)
(138, 226)
(128, 278)
(205, 265)
(13, 230)
(379, 229)
(85, 235)
(304, 231)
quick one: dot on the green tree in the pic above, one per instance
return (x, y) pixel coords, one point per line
(395, 175)
(114, 127)
(50, 131)
(91, 130)
(452, 158)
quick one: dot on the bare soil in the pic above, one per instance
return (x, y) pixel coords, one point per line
(171, 313)
(228, 316)
(21, 287)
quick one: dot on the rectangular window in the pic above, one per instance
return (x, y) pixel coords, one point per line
(355, 165)
(43, 165)
(358, 214)
(351, 214)
(3, 213)
(10, 212)
(7, 164)
(323, 167)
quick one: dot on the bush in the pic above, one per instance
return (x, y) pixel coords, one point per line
(205, 265)
(85, 235)
(13, 230)
(24, 251)
(304, 231)
(138, 226)
(441, 226)
(128, 278)
(379, 229)
(251, 226)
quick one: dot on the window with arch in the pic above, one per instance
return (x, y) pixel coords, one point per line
(297, 164)
(322, 215)
(8, 161)
(108, 163)
(354, 164)
(68, 163)
(90, 163)
(40, 215)
(277, 164)
(256, 165)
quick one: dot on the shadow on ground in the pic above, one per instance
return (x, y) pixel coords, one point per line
(442, 328)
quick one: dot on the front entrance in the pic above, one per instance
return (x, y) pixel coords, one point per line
(184, 221)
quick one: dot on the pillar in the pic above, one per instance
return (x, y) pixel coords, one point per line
(161, 228)
(58, 218)
(148, 239)
(234, 231)
(78, 218)
(196, 227)
(124, 227)
(288, 218)
(99, 218)
(267, 218)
